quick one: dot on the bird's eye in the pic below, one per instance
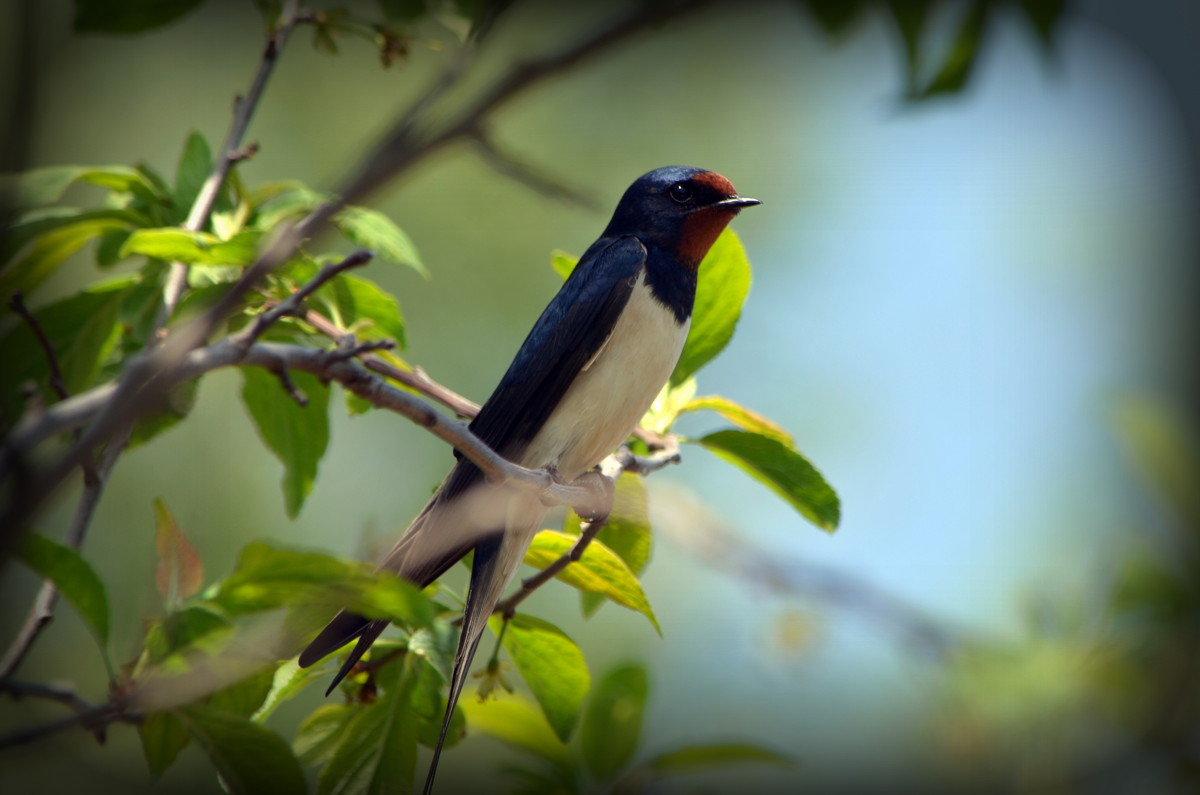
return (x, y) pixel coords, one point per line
(681, 193)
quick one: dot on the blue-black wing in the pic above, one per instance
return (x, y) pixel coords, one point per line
(565, 338)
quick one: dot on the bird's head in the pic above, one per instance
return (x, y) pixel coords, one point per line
(678, 209)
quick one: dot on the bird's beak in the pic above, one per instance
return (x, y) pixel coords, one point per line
(736, 202)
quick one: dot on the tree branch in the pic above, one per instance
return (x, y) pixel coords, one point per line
(92, 718)
(764, 568)
(147, 378)
(404, 145)
(509, 166)
(610, 471)
(416, 379)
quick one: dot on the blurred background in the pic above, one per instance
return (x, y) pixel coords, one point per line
(975, 314)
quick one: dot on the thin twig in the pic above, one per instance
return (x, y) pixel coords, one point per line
(610, 471)
(404, 145)
(17, 304)
(292, 304)
(416, 379)
(231, 151)
(507, 165)
(589, 530)
(62, 695)
(793, 576)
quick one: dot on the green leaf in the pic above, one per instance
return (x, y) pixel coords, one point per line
(267, 578)
(785, 471)
(280, 201)
(297, 435)
(518, 723)
(178, 404)
(627, 532)
(75, 579)
(83, 330)
(321, 732)
(428, 704)
(959, 62)
(835, 17)
(723, 284)
(179, 573)
(250, 758)
(373, 230)
(286, 682)
(402, 10)
(364, 308)
(698, 758)
(1159, 444)
(163, 736)
(19, 235)
(612, 723)
(50, 249)
(911, 18)
(377, 750)
(128, 16)
(563, 263)
(599, 571)
(243, 698)
(1044, 16)
(108, 249)
(740, 416)
(42, 186)
(197, 627)
(552, 665)
(195, 165)
(179, 245)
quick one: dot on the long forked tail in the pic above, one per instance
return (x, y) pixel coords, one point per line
(497, 558)
(488, 580)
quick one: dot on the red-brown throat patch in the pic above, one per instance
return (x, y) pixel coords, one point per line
(700, 231)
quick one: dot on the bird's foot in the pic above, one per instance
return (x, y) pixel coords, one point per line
(596, 506)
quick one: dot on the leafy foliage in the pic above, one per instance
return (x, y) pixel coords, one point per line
(603, 755)
(192, 680)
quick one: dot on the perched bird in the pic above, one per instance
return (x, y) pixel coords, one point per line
(581, 381)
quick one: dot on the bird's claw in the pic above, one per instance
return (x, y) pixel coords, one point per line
(601, 491)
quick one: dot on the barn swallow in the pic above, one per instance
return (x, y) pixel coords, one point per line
(581, 381)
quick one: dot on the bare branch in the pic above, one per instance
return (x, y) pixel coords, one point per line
(508, 607)
(92, 718)
(404, 145)
(416, 379)
(792, 576)
(509, 166)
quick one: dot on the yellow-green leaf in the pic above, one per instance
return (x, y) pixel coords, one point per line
(551, 664)
(740, 416)
(612, 724)
(200, 248)
(563, 263)
(785, 471)
(375, 231)
(723, 284)
(518, 723)
(599, 570)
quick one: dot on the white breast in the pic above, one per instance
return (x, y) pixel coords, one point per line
(614, 390)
